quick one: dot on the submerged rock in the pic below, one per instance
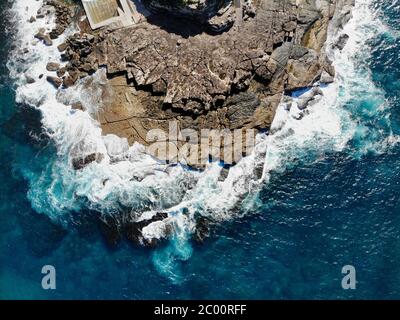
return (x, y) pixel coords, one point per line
(111, 229)
(202, 229)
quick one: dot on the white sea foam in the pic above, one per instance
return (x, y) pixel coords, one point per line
(130, 178)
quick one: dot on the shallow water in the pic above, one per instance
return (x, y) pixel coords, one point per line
(329, 198)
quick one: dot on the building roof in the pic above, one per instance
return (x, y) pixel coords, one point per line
(101, 13)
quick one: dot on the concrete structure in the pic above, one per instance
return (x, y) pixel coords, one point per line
(120, 13)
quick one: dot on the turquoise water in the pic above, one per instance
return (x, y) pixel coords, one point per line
(321, 211)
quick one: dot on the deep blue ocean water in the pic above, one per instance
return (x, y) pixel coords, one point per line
(314, 218)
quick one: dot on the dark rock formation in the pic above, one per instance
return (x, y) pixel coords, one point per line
(202, 229)
(111, 230)
(215, 15)
(133, 229)
(56, 82)
(81, 162)
(341, 42)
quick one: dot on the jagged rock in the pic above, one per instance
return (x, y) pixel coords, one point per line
(223, 19)
(240, 108)
(342, 14)
(63, 17)
(41, 35)
(304, 101)
(326, 77)
(303, 71)
(158, 72)
(47, 41)
(56, 82)
(88, 68)
(341, 42)
(62, 47)
(61, 72)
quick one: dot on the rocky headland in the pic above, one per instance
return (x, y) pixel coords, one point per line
(206, 64)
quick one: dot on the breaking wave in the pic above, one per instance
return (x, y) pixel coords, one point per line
(138, 182)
